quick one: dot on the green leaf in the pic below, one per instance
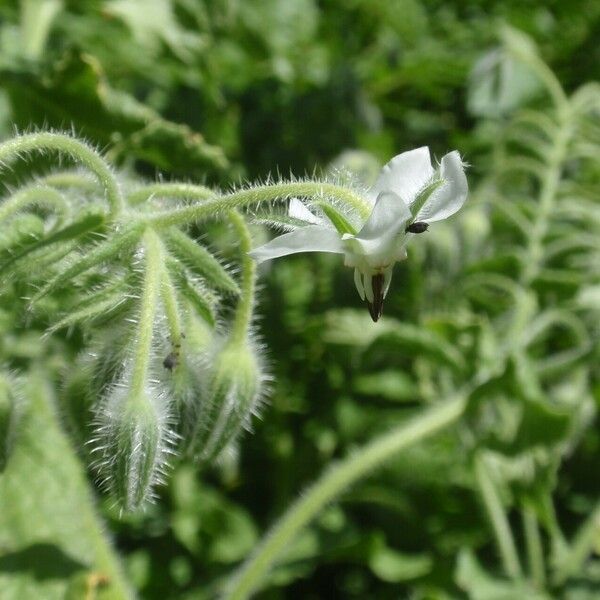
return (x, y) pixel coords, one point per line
(50, 535)
(393, 567)
(75, 90)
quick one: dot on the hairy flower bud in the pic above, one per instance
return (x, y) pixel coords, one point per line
(234, 393)
(134, 440)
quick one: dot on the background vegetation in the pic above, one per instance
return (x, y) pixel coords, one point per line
(501, 305)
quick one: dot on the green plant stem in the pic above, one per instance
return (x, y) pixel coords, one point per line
(39, 142)
(245, 305)
(583, 544)
(169, 299)
(535, 551)
(335, 480)
(170, 190)
(69, 179)
(32, 195)
(148, 305)
(498, 519)
(256, 196)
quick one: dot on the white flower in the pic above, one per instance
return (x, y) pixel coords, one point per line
(408, 195)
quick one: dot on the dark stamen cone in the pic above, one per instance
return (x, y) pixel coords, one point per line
(376, 307)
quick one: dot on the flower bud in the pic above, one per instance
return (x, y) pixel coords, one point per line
(233, 394)
(134, 441)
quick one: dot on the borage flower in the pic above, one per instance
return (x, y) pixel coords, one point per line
(408, 195)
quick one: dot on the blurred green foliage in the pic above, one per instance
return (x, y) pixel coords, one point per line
(505, 298)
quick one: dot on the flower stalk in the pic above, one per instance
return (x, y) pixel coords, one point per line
(336, 479)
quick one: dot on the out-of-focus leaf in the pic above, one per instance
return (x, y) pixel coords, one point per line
(393, 566)
(479, 585)
(75, 90)
(51, 539)
(391, 385)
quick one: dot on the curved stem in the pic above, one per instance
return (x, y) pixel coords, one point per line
(335, 480)
(170, 190)
(245, 305)
(256, 196)
(498, 519)
(77, 150)
(148, 302)
(32, 195)
(69, 179)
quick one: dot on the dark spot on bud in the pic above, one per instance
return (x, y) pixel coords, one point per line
(171, 361)
(376, 307)
(417, 227)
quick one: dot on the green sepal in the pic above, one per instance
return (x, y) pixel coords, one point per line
(95, 256)
(199, 260)
(201, 299)
(87, 224)
(423, 196)
(339, 221)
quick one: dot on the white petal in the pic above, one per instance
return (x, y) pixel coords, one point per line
(312, 238)
(451, 195)
(390, 214)
(381, 236)
(404, 175)
(297, 210)
(358, 282)
(388, 279)
(368, 281)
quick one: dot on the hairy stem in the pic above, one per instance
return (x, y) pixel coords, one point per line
(256, 196)
(70, 179)
(148, 302)
(39, 142)
(245, 305)
(335, 480)
(498, 519)
(32, 195)
(170, 190)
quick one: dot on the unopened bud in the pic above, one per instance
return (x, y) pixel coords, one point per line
(134, 441)
(234, 394)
